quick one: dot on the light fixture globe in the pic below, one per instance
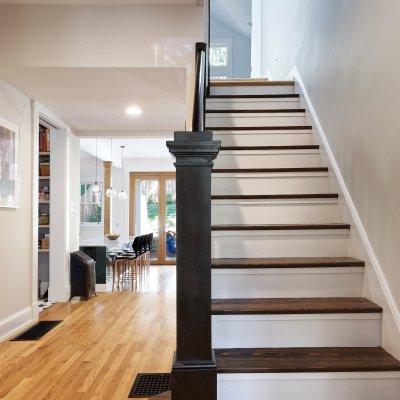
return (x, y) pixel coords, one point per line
(111, 192)
(122, 195)
(95, 188)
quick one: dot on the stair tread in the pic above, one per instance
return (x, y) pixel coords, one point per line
(273, 227)
(260, 128)
(259, 111)
(253, 96)
(286, 262)
(326, 359)
(261, 170)
(329, 305)
(292, 147)
(275, 196)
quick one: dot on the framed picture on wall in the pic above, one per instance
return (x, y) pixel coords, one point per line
(9, 164)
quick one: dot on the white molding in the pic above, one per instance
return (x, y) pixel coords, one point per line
(101, 288)
(10, 325)
(295, 75)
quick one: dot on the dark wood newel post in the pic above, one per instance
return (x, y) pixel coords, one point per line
(194, 375)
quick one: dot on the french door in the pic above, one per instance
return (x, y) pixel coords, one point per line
(153, 209)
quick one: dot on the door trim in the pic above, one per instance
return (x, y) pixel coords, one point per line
(162, 177)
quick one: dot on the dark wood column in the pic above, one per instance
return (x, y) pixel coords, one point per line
(194, 374)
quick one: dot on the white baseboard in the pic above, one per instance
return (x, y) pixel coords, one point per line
(10, 325)
(101, 288)
(351, 208)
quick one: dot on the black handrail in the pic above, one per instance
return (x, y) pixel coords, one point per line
(199, 104)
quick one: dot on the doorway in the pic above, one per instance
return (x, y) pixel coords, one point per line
(152, 209)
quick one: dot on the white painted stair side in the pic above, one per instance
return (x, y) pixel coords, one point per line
(255, 119)
(310, 386)
(300, 158)
(274, 211)
(269, 183)
(252, 104)
(303, 282)
(276, 137)
(250, 90)
(296, 330)
(292, 243)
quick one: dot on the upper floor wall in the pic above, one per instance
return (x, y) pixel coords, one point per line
(98, 36)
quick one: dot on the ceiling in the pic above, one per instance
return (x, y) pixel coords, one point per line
(237, 14)
(134, 148)
(95, 99)
(99, 2)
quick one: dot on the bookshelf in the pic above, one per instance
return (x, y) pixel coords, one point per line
(44, 210)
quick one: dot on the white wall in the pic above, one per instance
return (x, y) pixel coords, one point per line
(15, 224)
(97, 36)
(347, 53)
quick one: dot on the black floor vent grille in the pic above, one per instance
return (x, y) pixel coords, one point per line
(37, 331)
(147, 385)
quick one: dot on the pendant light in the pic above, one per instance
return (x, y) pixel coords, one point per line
(95, 188)
(111, 192)
(122, 195)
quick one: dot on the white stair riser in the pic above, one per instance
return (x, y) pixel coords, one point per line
(254, 244)
(249, 90)
(310, 386)
(273, 212)
(303, 330)
(252, 138)
(287, 282)
(240, 120)
(280, 183)
(252, 104)
(268, 159)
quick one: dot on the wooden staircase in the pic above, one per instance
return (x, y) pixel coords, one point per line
(289, 320)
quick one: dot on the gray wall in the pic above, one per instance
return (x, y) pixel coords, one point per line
(348, 55)
(241, 47)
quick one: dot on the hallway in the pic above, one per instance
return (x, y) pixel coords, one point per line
(99, 348)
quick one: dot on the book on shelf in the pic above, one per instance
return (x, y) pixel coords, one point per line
(44, 139)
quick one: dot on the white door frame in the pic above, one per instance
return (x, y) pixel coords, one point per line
(59, 280)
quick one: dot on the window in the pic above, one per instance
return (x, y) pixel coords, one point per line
(219, 56)
(221, 59)
(91, 205)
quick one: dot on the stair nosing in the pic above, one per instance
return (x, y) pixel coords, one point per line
(266, 170)
(279, 227)
(287, 263)
(297, 306)
(276, 196)
(375, 360)
(292, 147)
(259, 111)
(254, 96)
(260, 128)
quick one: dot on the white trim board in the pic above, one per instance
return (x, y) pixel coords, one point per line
(349, 206)
(16, 322)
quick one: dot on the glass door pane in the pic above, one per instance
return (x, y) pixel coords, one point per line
(170, 219)
(147, 210)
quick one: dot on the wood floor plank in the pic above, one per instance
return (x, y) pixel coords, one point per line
(330, 305)
(328, 359)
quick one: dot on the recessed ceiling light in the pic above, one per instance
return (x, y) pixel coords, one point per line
(133, 110)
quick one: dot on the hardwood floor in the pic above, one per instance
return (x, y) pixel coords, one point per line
(98, 349)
